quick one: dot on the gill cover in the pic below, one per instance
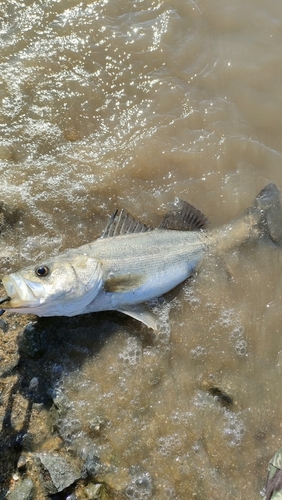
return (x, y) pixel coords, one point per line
(71, 283)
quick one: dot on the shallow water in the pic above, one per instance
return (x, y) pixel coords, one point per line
(132, 104)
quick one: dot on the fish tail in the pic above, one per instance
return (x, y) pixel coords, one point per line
(263, 220)
(268, 206)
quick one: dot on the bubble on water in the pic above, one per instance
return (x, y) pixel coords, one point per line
(161, 309)
(166, 490)
(176, 417)
(37, 247)
(241, 348)
(167, 444)
(227, 317)
(202, 399)
(237, 332)
(140, 488)
(234, 430)
(181, 418)
(198, 353)
(238, 341)
(163, 331)
(189, 296)
(132, 353)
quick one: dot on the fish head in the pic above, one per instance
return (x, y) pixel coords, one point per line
(63, 286)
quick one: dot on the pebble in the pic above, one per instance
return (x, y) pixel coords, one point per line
(21, 465)
(33, 385)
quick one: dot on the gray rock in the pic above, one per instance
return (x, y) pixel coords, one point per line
(4, 326)
(23, 491)
(61, 403)
(56, 472)
(91, 465)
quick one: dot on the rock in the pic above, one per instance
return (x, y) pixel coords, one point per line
(33, 384)
(222, 397)
(4, 326)
(56, 472)
(96, 492)
(96, 425)
(23, 491)
(21, 465)
(61, 404)
(33, 342)
(91, 465)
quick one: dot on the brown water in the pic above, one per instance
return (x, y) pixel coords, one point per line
(132, 104)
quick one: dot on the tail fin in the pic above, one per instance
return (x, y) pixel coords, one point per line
(262, 220)
(269, 204)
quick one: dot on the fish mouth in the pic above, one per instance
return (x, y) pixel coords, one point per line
(18, 292)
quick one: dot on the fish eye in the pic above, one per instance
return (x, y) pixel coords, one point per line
(42, 271)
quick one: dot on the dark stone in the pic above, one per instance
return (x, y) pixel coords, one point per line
(222, 397)
(23, 491)
(33, 342)
(56, 473)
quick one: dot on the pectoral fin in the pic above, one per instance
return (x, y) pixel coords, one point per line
(141, 313)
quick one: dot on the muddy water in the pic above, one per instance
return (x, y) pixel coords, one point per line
(132, 104)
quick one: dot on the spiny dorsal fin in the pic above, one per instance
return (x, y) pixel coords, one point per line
(123, 223)
(184, 218)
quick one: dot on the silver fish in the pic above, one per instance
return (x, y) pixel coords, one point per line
(131, 263)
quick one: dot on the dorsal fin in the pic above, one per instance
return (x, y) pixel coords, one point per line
(123, 223)
(184, 218)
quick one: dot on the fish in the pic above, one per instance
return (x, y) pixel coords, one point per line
(132, 263)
